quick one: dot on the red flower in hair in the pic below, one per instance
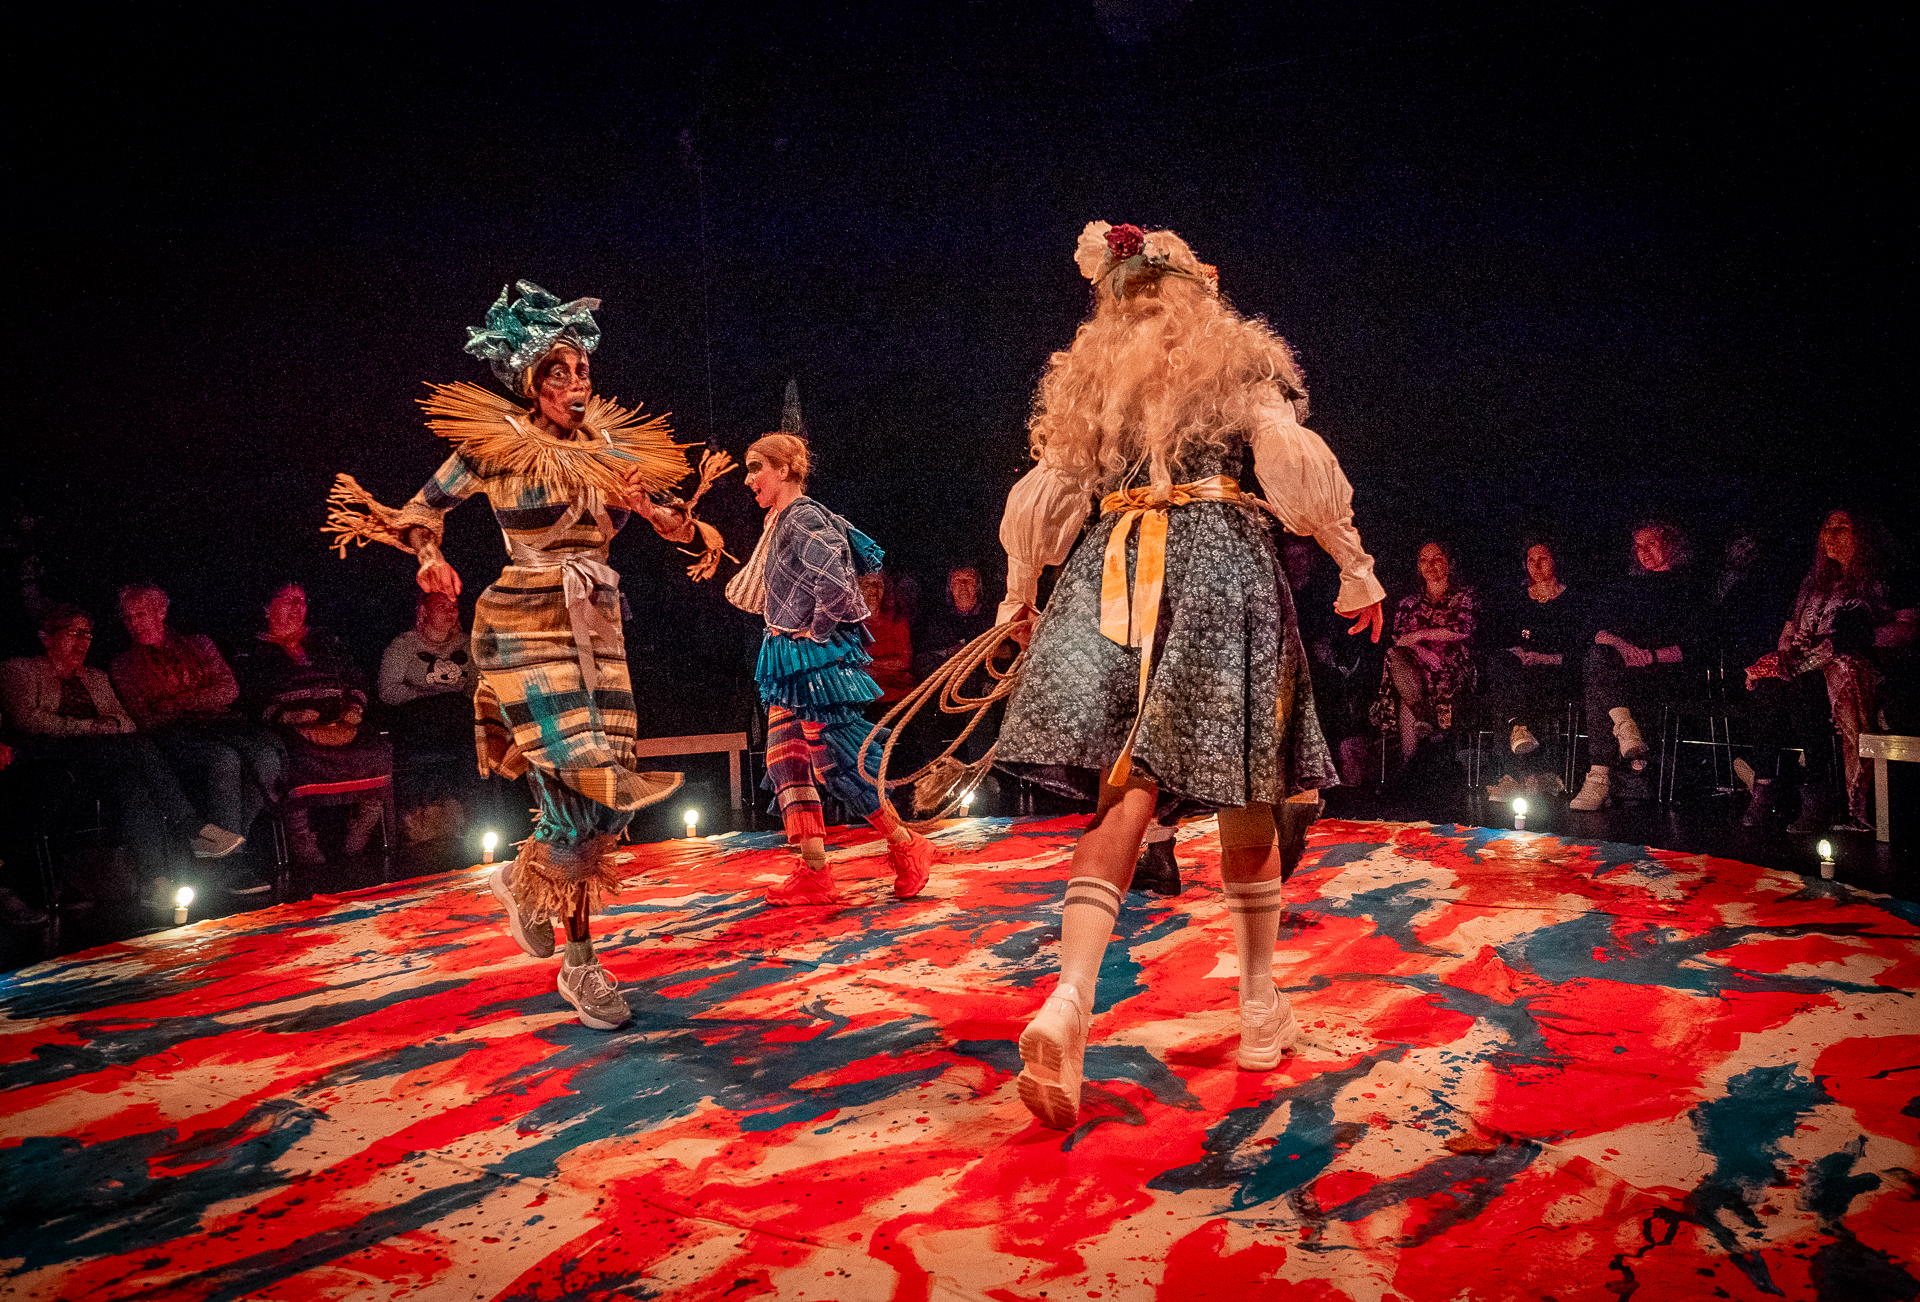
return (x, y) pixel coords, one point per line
(1125, 241)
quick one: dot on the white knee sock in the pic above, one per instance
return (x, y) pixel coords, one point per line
(1086, 923)
(1256, 909)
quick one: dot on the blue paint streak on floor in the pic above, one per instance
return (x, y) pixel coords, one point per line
(1564, 952)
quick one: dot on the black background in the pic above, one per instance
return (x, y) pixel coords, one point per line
(1547, 265)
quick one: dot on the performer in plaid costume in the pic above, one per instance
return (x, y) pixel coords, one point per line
(554, 700)
(803, 577)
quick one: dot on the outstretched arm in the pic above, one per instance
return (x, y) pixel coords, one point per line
(1303, 481)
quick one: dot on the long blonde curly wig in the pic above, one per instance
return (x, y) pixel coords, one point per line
(1167, 368)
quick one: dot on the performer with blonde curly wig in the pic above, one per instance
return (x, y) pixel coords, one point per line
(803, 577)
(554, 701)
(1167, 674)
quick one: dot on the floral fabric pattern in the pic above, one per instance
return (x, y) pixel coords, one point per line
(1454, 678)
(1229, 713)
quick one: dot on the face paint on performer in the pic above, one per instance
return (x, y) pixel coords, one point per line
(565, 387)
(764, 480)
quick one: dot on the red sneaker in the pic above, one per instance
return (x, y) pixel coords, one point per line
(912, 864)
(804, 887)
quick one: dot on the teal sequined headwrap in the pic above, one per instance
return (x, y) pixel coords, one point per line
(519, 333)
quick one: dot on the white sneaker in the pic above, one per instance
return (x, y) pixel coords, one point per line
(1593, 792)
(1632, 745)
(1267, 1033)
(595, 995)
(1523, 741)
(1053, 1050)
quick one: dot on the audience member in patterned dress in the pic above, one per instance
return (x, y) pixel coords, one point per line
(1430, 665)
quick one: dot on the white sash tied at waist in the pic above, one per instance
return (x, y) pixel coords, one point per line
(579, 572)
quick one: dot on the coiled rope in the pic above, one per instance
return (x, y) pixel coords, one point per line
(944, 782)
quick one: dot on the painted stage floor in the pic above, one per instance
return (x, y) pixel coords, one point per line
(1531, 1068)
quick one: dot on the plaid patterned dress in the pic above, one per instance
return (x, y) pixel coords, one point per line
(554, 701)
(812, 670)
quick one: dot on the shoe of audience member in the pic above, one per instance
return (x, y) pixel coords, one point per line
(912, 863)
(1156, 871)
(1291, 821)
(1760, 804)
(1847, 822)
(1267, 1033)
(595, 995)
(1053, 1051)
(1523, 742)
(360, 827)
(16, 912)
(302, 845)
(1632, 745)
(246, 885)
(533, 934)
(804, 886)
(214, 842)
(1814, 805)
(1594, 791)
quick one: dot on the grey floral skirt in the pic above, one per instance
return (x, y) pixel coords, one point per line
(1229, 716)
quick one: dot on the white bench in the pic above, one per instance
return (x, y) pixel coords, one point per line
(709, 743)
(1881, 747)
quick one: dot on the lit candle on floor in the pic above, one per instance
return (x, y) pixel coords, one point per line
(1519, 814)
(181, 899)
(966, 804)
(488, 844)
(1826, 858)
(692, 817)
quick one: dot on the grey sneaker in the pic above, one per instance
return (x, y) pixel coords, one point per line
(531, 934)
(595, 995)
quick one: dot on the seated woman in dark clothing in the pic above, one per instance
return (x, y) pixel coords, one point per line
(1430, 665)
(302, 683)
(427, 681)
(1820, 677)
(1541, 638)
(1647, 651)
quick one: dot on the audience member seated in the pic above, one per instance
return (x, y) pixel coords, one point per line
(960, 619)
(180, 694)
(1748, 595)
(1647, 652)
(937, 638)
(427, 680)
(1430, 665)
(1821, 677)
(301, 682)
(892, 645)
(65, 719)
(14, 911)
(1332, 658)
(1534, 671)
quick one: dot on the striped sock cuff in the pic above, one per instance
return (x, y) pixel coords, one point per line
(1256, 897)
(1095, 892)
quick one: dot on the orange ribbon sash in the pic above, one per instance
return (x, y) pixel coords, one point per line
(1131, 619)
